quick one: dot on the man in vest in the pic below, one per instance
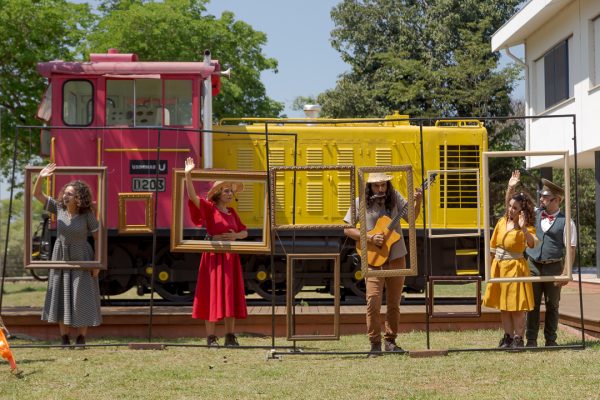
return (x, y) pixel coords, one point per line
(547, 259)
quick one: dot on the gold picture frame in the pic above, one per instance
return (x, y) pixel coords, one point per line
(486, 214)
(412, 233)
(148, 199)
(180, 244)
(101, 244)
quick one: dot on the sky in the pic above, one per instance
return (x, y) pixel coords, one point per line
(298, 34)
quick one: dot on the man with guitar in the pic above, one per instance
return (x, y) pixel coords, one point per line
(383, 203)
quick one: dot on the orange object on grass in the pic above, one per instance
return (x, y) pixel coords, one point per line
(5, 351)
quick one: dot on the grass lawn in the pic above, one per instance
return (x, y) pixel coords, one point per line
(200, 373)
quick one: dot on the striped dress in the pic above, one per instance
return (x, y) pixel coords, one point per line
(73, 295)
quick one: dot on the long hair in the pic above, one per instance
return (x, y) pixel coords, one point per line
(390, 197)
(527, 206)
(83, 196)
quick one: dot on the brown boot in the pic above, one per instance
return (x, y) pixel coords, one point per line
(390, 345)
(375, 350)
(80, 342)
(65, 341)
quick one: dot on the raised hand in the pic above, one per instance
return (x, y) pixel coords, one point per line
(189, 165)
(418, 194)
(514, 179)
(48, 170)
(522, 220)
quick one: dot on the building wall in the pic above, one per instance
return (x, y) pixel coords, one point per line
(575, 23)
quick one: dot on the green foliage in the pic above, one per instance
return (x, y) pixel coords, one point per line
(32, 31)
(178, 30)
(422, 58)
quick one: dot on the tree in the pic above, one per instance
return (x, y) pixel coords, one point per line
(422, 58)
(179, 30)
(32, 31)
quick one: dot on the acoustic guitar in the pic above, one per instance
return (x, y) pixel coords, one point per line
(378, 255)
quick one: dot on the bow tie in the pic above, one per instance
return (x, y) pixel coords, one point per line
(546, 215)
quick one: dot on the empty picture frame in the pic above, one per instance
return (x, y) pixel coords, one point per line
(99, 176)
(256, 195)
(290, 318)
(274, 194)
(454, 314)
(148, 212)
(486, 212)
(412, 233)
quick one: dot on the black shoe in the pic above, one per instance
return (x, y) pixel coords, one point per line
(390, 345)
(517, 342)
(231, 340)
(531, 343)
(375, 350)
(65, 341)
(212, 341)
(80, 342)
(506, 341)
(551, 343)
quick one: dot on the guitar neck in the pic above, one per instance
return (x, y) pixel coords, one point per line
(404, 211)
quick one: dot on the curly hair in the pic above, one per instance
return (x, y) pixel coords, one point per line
(83, 196)
(390, 198)
(527, 206)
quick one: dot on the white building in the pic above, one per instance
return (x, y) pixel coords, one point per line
(561, 40)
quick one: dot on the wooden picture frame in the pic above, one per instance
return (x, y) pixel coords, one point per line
(412, 233)
(148, 199)
(101, 245)
(290, 320)
(179, 203)
(312, 168)
(486, 209)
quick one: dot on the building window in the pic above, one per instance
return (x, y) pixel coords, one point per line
(556, 74)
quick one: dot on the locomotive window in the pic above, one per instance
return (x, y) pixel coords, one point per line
(77, 103)
(178, 102)
(134, 102)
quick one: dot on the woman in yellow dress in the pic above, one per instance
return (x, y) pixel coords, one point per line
(513, 232)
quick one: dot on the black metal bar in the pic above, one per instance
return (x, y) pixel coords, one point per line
(425, 240)
(150, 321)
(10, 205)
(272, 233)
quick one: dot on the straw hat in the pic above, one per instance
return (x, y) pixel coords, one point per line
(376, 177)
(217, 186)
(550, 188)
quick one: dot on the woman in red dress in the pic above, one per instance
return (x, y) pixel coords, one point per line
(220, 293)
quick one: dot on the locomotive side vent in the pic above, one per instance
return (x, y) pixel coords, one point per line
(345, 157)
(459, 190)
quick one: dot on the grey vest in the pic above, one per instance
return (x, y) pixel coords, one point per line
(552, 244)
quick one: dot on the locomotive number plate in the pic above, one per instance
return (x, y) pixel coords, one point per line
(147, 184)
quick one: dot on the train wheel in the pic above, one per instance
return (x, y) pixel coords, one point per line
(258, 279)
(112, 284)
(165, 286)
(40, 274)
(353, 280)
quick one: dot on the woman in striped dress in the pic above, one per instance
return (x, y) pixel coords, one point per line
(73, 296)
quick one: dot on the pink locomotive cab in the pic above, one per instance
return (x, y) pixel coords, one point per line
(140, 120)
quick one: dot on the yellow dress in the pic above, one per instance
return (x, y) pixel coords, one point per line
(509, 296)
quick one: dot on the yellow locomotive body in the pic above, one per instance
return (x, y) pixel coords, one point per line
(323, 197)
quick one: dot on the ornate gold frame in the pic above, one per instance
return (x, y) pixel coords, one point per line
(178, 244)
(101, 244)
(412, 233)
(290, 298)
(148, 198)
(486, 209)
(273, 175)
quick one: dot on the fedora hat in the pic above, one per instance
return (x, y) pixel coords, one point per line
(376, 177)
(217, 186)
(550, 188)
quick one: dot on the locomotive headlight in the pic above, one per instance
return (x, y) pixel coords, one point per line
(148, 270)
(163, 276)
(261, 275)
(358, 275)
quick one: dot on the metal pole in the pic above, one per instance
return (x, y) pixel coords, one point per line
(10, 204)
(154, 237)
(425, 239)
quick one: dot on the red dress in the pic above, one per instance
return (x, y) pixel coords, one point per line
(220, 287)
